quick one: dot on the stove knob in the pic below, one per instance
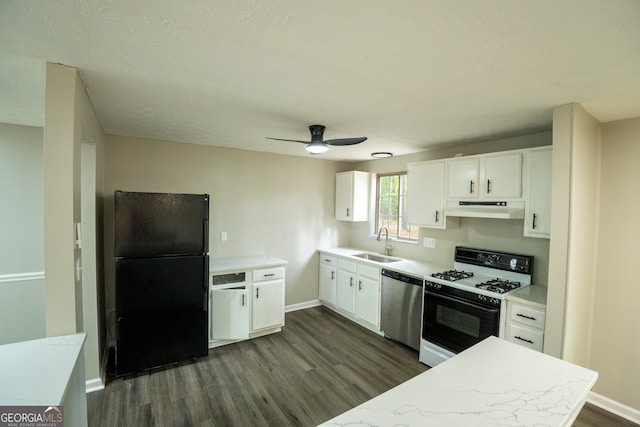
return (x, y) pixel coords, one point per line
(495, 301)
(482, 298)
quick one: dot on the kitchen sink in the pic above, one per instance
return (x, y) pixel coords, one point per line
(376, 257)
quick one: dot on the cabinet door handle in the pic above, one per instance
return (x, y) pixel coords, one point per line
(437, 216)
(243, 299)
(471, 187)
(488, 186)
(347, 211)
(359, 285)
(350, 281)
(333, 275)
(534, 221)
(257, 293)
(525, 316)
(523, 339)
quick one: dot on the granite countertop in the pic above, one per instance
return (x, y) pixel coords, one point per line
(534, 295)
(415, 268)
(494, 383)
(237, 263)
(37, 372)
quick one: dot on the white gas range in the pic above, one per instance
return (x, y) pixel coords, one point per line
(463, 306)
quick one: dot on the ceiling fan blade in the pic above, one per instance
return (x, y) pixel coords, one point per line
(346, 141)
(290, 140)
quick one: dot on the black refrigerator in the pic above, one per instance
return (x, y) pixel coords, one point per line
(161, 279)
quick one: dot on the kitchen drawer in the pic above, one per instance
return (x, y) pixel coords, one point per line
(328, 260)
(527, 337)
(268, 274)
(345, 265)
(527, 316)
(370, 272)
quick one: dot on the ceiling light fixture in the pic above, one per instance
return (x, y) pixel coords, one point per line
(381, 154)
(317, 147)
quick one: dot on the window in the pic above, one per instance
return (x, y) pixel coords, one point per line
(391, 206)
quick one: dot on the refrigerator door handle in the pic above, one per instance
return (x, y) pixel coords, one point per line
(206, 284)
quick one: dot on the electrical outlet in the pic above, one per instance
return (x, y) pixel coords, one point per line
(429, 242)
(223, 236)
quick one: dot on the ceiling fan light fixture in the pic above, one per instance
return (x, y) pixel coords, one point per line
(317, 147)
(381, 154)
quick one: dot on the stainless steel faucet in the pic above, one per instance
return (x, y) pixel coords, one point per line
(387, 245)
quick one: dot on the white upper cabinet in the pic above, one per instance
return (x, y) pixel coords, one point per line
(501, 176)
(462, 177)
(425, 198)
(537, 220)
(352, 196)
(496, 176)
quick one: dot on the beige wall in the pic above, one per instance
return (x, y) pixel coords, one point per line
(22, 242)
(69, 122)
(268, 204)
(584, 200)
(21, 216)
(502, 235)
(61, 201)
(615, 348)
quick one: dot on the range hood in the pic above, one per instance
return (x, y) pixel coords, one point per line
(482, 209)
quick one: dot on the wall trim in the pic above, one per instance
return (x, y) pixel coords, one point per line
(614, 407)
(21, 277)
(94, 384)
(302, 305)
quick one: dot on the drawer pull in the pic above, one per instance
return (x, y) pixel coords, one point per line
(327, 260)
(526, 317)
(269, 275)
(523, 339)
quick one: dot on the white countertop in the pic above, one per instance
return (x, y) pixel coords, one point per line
(37, 372)
(238, 263)
(415, 268)
(534, 295)
(494, 383)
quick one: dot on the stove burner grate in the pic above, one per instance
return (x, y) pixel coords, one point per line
(452, 275)
(498, 285)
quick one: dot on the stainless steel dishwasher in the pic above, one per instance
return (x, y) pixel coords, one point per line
(401, 307)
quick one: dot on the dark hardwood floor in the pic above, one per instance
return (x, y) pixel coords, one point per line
(319, 366)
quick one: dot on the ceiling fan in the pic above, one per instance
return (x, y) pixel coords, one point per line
(317, 145)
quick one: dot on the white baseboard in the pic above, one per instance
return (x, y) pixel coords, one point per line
(302, 305)
(614, 407)
(94, 385)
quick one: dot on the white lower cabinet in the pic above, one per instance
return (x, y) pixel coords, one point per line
(346, 290)
(368, 295)
(245, 304)
(358, 292)
(525, 325)
(327, 279)
(267, 307)
(228, 313)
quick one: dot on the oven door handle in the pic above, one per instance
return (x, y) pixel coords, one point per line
(462, 301)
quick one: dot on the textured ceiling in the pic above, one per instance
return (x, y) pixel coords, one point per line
(409, 75)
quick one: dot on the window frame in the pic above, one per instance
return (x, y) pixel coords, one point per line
(376, 209)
